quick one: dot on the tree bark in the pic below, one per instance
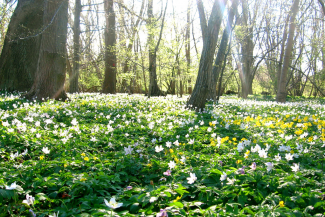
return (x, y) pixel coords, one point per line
(247, 49)
(76, 48)
(203, 21)
(109, 85)
(153, 85)
(282, 91)
(218, 64)
(200, 92)
(51, 71)
(19, 56)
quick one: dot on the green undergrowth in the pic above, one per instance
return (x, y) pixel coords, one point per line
(238, 158)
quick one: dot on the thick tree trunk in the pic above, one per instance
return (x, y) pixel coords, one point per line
(109, 85)
(76, 48)
(218, 64)
(19, 56)
(282, 91)
(50, 75)
(200, 92)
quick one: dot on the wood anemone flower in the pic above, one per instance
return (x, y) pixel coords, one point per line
(112, 203)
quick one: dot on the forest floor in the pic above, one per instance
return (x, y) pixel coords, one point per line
(122, 155)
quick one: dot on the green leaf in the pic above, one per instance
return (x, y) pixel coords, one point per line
(177, 204)
(134, 208)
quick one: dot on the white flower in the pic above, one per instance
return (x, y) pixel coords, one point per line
(46, 150)
(230, 181)
(295, 167)
(152, 199)
(223, 177)
(240, 147)
(13, 156)
(262, 153)
(112, 203)
(176, 143)
(159, 148)
(171, 164)
(277, 157)
(191, 142)
(289, 156)
(168, 144)
(29, 200)
(128, 150)
(192, 178)
(282, 148)
(74, 122)
(306, 150)
(13, 186)
(183, 159)
(55, 214)
(93, 139)
(25, 152)
(269, 166)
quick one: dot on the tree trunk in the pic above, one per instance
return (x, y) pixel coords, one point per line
(218, 64)
(153, 85)
(76, 48)
(20, 53)
(50, 75)
(188, 47)
(200, 92)
(282, 91)
(247, 49)
(109, 85)
(203, 21)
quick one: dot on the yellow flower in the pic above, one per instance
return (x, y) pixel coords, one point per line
(149, 165)
(239, 161)
(171, 151)
(86, 159)
(234, 139)
(176, 160)
(41, 157)
(83, 179)
(83, 154)
(281, 203)
(177, 199)
(95, 158)
(65, 165)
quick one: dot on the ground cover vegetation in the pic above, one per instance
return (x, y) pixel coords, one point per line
(129, 155)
